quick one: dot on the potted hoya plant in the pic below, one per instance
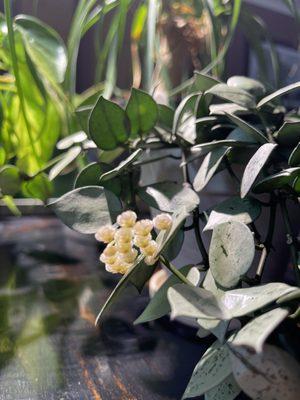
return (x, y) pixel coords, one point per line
(234, 127)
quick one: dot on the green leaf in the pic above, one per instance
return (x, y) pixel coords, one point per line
(250, 85)
(169, 196)
(216, 144)
(208, 167)
(44, 46)
(159, 305)
(215, 326)
(70, 140)
(142, 112)
(10, 180)
(278, 93)
(211, 370)
(38, 187)
(86, 209)
(203, 82)
(68, 158)
(294, 159)
(254, 334)
(122, 167)
(231, 253)
(277, 181)
(234, 209)
(226, 390)
(197, 303)
(2, 156)
(232, 94)
(108, 124)
(254, 167)
(175, 246)
(187, 104)
(272, 374)
(250, 129)
(288, 134)
(165, 116)
(89, 176)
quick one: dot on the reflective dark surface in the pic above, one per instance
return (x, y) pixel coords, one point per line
(51, 287)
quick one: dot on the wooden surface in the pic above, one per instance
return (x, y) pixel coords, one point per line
(49, 347)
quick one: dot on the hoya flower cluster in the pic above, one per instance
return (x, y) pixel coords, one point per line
(129, 238)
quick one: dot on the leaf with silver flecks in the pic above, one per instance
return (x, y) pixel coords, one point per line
(211, 370)
(272, 374)
(234, 209)
(226, 390)
(231, 253)
(254, 167)
(254, 334)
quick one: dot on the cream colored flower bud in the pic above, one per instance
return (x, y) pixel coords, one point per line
(130, 256)
(151, 249)
(162, 222)
(118, 267)
(110, 250)
(127, 219)
(141, 240)
(124, 247)
(143, 227)
(150, 260)
(123, 235)
(107, 260)
(105, 234)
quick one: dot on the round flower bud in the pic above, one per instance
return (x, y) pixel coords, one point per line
(127, 219)
(105, 234)
(141, 240)
(107, 260)
(162, 222)
(123, 235)
(110, 250)
(151, 249)
(130, 256)
(124, 247)
(143, 227)
(150, 260)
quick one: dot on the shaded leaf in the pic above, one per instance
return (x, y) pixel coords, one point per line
(294, 159)
(250, 129)
(10, 180)
(169, 196)
(85, 209)
(208, 167)
(234, 209)
(38, 187)
(108, 124)
(272, 374)
(142, 112)
(226, 390)
(175, 246)
(123, 166)
(277, 181)
(235, 95)
(165, 116)
(254, 334)
(288, 134)
(203, 82)
(278, 93)
(254, 167)
(211, 370)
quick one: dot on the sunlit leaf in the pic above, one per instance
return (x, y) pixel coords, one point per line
(252, 86)
(226, 390)
(233, 94)
(70, 140)
(250, 129)
(38, 187)
(69, 157)
(278, 93)
(10, 180)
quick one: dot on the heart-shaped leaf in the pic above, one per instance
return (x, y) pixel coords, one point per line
(226, 390)
(254, 334)
(169, 196)
(211, 370)
(123, 166)
(165, 116)
(272, 374)
(294, 159)
(231, 252)
(254, 167)
(159, 305)
(234, 209)
(288, 134)
(44, 46)
(278, 93)
(250, 129)
(142, 112)
(10, 180)
(86, 209)
(69, 157)
(252, 86)
(108, 124)
(232, 94)
(277, 181)
(208, 167)
(203, 82)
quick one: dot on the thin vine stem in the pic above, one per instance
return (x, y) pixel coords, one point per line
(174, 270)
(12, 46)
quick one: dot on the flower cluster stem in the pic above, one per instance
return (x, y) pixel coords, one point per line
(174, 270)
